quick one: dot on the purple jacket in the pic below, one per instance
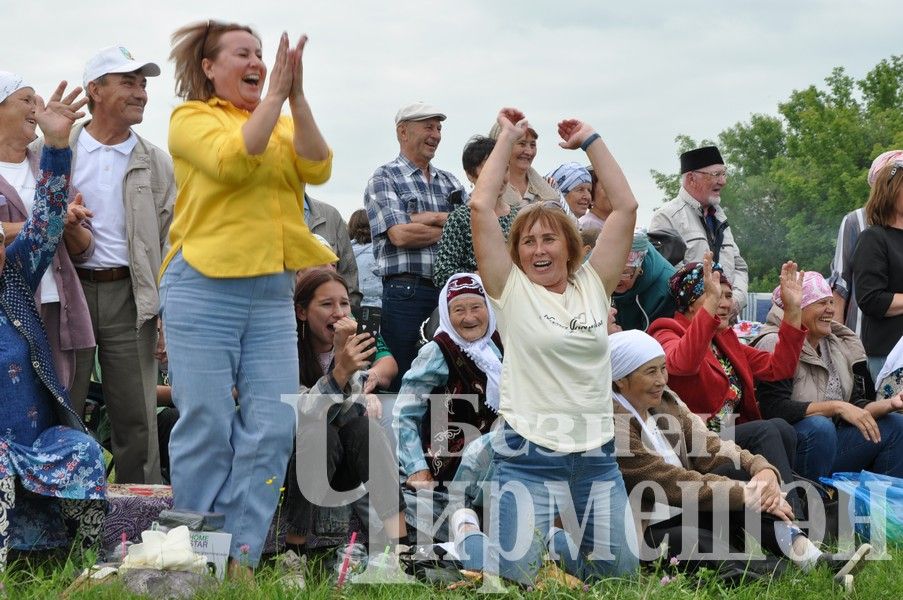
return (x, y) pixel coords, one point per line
(75, 321)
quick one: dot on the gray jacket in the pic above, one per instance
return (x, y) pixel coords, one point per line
(326, 221)
(149, 192)
(684, 215)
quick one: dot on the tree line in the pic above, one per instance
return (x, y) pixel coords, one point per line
(794, 175)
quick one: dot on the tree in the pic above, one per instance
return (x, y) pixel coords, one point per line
(795, 175)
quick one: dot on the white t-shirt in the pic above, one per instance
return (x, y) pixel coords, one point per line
(98, 175)
(20, 177)
(556, 375)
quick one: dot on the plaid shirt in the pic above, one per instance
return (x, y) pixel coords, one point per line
(395, 191)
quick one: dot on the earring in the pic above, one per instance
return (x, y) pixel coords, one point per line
(303, 329)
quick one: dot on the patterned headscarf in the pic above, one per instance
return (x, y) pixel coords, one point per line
(687, 285)
(570, 175)
(880, 162)
(815, 288)
(10, 83)
(639, 248)
(479, 351)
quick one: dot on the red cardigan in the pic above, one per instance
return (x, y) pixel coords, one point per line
(695, 373)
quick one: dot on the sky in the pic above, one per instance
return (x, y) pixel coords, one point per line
(640, 72)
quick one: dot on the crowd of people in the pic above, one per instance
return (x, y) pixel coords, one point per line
(576, 378)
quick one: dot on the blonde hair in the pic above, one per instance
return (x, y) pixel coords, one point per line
(552, 214)
(881, 205)
(193, 43)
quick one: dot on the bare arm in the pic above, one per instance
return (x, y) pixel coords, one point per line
(840, 308)
(435, 219)
(493, 260)
(11, 230)
(414, 235)
(259, 127)
(610, 254)
(381, 374)
(75, 235)
(308, 140)
(896, 306)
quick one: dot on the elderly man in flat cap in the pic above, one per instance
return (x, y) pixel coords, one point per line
(407, 204)
(696, 215)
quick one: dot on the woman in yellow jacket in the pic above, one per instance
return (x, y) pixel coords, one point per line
(238, 236)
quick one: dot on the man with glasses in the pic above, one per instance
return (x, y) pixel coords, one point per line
(696, 215)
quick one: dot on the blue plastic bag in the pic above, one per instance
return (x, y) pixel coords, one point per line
(887, 506)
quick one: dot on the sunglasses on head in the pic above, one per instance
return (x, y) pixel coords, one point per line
(897, 165)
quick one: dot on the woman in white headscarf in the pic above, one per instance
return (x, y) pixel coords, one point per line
(464, 358)
(664, 438)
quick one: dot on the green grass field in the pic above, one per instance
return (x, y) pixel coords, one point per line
(49, 578)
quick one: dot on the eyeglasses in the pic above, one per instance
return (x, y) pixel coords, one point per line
(714, 174)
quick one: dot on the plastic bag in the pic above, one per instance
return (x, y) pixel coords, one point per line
(887, 507)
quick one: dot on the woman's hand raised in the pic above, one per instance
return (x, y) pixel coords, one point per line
(282, 73)
(711, 281)
(792, 293)
(513, 124)
(57, 116)
(573, 133)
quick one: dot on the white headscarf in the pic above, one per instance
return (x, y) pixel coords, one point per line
(10, 83)
(479, 351)
(630, 350)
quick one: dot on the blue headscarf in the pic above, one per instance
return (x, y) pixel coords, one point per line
(570, 175)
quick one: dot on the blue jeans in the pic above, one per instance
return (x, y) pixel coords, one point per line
(407, 303)
(220, 334)
(534, 485)
(824, 448)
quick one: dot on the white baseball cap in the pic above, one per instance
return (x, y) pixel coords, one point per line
(116, 59)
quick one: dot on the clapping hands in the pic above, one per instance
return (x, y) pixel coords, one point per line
(287, 74)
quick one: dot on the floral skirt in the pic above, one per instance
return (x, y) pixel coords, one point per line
(39, 485)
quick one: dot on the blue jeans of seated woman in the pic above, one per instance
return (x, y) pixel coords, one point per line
(824, 448)
(535, 485)
(220, 334)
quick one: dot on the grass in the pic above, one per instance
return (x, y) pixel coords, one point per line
(48, 577)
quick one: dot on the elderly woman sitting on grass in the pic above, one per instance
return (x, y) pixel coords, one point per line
(665, 457)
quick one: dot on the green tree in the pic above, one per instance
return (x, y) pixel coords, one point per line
(795, 174)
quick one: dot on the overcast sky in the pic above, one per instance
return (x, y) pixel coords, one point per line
(640, 72)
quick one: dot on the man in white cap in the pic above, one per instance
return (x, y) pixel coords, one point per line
(407, 204)
(696, 215)
(128, 184)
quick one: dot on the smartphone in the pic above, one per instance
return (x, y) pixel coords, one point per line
(368, 320)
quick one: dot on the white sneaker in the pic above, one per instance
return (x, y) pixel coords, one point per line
(461, 517)
(291, 569)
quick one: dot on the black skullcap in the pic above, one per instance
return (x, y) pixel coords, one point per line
(693, 160)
